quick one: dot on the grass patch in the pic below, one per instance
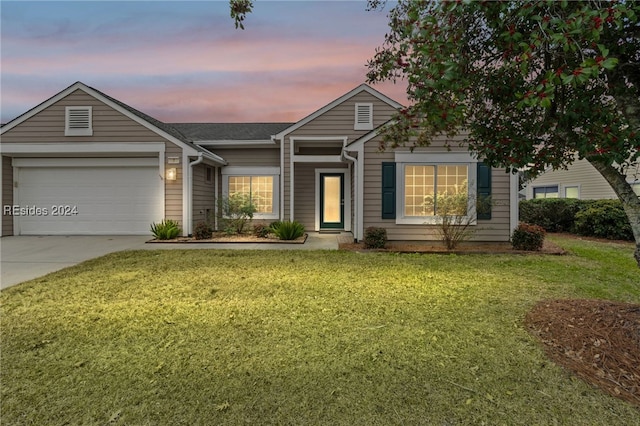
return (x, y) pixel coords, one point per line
(299, 337)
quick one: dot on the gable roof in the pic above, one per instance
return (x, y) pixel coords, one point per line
(162, 129)
(209, 132)
(362, 88)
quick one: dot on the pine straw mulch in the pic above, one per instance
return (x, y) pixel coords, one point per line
(597, 340)
(466, 247)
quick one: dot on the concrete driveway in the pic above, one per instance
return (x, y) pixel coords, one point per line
(24, 257)
(27, 257)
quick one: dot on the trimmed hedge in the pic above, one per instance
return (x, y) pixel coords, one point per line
(553, 214)
(594, 218)
(604, 219)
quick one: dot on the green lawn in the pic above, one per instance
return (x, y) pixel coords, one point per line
(296, 337)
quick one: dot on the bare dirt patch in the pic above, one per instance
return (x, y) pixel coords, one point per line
(597, 340)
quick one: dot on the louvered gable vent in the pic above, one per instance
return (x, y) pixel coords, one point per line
(78, 121)
(364, 117)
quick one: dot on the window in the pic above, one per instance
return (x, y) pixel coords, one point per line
(364, 117)
(636, 188)
(258, 188)
(571, 192)
(431, 190)
(259, 184)
(428, 185)
(209, 174)
(78, 121)
(545, 191)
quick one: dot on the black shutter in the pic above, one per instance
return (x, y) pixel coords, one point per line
(388, 190)
(484, 192)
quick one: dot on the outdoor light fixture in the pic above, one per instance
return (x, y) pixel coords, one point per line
(172, 173)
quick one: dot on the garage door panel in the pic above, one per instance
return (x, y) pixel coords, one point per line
(107, 200)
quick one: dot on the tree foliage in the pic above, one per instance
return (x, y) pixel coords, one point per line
(239, 10)
(532, 84)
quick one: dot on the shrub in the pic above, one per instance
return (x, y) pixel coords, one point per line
(455, 220)
(202, 231)
(289, 230)
(553, 214)
(604, 219)
(375, 238)
(261, 231)
(527, 237)
(165, 230)
(235, 211)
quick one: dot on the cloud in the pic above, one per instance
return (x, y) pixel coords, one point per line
(183, 61)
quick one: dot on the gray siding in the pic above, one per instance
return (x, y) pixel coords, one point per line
(7, 195)
(203, 194)
(250, 157)
(496, 229)
(305, 191)
(339, 122)
(591, 184)
(109, 126)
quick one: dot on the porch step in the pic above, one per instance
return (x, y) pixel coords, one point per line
(345, 239)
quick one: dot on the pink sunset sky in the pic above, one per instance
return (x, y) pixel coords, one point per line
(185, 61)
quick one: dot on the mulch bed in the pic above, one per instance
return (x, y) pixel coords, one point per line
(597, 340)
(464, 248)
(220, 238)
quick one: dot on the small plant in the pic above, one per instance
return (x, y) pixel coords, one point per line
(236, 211)
(289, 230)
(165, 230)
(375, 238)
(261, 231)
(455, 214)
(527, 237)
(202, 231)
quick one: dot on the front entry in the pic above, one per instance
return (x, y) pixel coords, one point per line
(331, 201)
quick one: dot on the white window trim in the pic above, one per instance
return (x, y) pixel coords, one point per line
(82, 131)
(363, 125)
(546, 185)
(434, 160)
(255, 171)
(573, 185)
(347, 196)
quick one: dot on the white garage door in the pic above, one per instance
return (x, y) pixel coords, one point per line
(68, 197)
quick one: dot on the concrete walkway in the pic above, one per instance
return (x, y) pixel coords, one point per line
(24, 258)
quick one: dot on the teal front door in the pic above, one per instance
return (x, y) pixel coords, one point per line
(331, 201)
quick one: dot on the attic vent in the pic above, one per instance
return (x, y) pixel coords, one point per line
(364, 117)
(78, 121)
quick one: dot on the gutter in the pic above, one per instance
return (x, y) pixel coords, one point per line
(189, 216)
(354, 225)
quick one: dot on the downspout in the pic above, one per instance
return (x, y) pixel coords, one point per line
(189, 215)
(354, 225)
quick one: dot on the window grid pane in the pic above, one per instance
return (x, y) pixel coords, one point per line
(422, 182)
(419, 190)
(452, 190)
(258, 188)
(262, 193)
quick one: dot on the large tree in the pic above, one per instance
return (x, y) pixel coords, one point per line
(533, 84)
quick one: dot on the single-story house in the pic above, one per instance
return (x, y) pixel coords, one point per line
(83, 162)
(580, 180)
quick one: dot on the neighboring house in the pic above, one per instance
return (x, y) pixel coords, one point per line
(85, 163)
(580, 180)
